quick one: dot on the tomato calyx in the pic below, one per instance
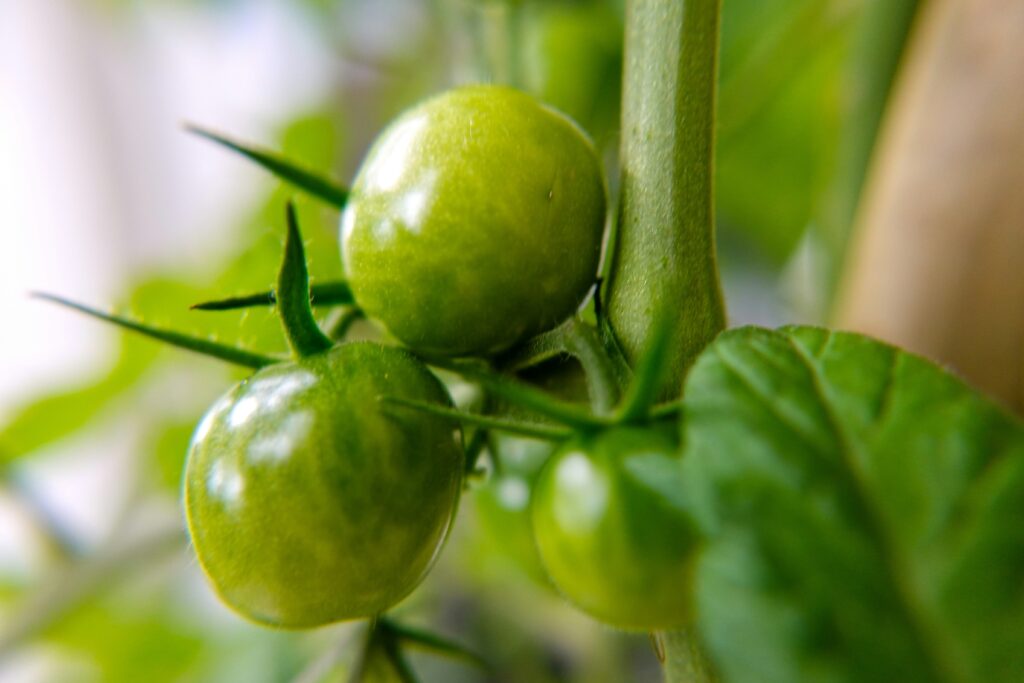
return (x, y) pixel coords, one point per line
(316, 185)
(385, 644)
(304, 335)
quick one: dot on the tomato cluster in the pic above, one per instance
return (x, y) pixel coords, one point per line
(322, 488)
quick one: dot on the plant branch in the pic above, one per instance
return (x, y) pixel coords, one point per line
(684, 660)
(665, 271)
(665, 246)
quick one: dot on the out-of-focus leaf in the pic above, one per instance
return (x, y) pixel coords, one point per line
(574, 61)
(79, 583)
(170, 441)
(782, 80)
(164, 299)
(129, 645)
(53, 417)
(865, 511)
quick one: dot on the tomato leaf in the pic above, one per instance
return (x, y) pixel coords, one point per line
(865, 511)
(319, 187)
(52, 417)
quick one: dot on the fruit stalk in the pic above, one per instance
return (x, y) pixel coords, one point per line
(665, 247)
(684, 660)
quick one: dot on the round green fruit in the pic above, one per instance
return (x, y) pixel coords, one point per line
(612, 531)
(306, 503)
(475, 222)
(503, 502)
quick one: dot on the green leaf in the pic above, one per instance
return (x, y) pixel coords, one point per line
(125, 643)
(865, 511)
(304, 335)
(286, 170)
(53, 417)
(782, 84)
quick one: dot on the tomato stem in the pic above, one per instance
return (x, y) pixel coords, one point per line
(664, 269)
(525, 396)
(665, 245)
(531, 429)
(685, 662)
(583, 342)
(304, 335)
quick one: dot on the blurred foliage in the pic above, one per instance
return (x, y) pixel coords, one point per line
(783, 83)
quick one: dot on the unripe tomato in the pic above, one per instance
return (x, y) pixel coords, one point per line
(609, 537)
(306, 503)
(502, 503)
(475, 222)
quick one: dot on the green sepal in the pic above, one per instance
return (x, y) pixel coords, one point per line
(651, 369)
(300, 327)
(183, 341)
(331, 293)
(474, 447)
(431, 642)
(531, 429)
(316, 185)
(523, 395)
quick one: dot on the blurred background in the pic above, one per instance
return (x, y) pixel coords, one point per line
(870, 156)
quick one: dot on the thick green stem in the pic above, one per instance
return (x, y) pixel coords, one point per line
(665, 248)
(665, 270)
(684, 661)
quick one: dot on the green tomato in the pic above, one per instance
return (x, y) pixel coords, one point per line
(306, 503)
(503, 502)
(611, 530)
(475, 222)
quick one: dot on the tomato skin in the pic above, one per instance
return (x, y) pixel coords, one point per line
(306, 503)
(475, 222)
(611, 543)
(502, 503)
